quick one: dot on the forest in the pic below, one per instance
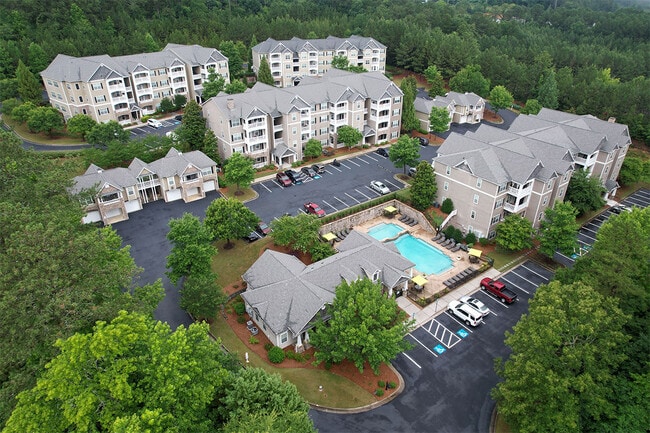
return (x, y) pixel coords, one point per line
(596, 53)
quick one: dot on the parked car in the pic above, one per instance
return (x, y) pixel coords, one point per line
(283, 179)
(295, 177)
(379, 187)
(252, 236)
(263, 228)
(620, 208)
(318, 168)
(178, 117)
(314, 209)
(335, 163)
(383, 152)
(476, 304)
(154, 123)
(498, 290)
(465, 313)
(308, 171)
(412, 171)
(423, 141)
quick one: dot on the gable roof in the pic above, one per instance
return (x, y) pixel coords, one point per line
(288, 294)
(331, 43)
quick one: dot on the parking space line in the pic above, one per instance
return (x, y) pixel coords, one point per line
(445, 330)
(363, 193)
(328, 172)
(586, 235)
(391, 184)
(266, 187)
(588, 229)
(524, 278)
(513, 284)
(422, 344)
(411, 359)
(352, 162)
(496, 301)
(277, 183)
(361, 159)
(331, 166)
(344, 203)
(459, 322)
(368, 156)
(352, 197)
(371, 190)
(343, 165)
(335, 209)
(538, 274)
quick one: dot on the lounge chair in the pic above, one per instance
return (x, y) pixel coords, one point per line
(403, 218)
(447, 242)
(413, 222)
(436, 237)
(451, 245)
(456, 248)
(441, 240)
(464, 247)
(447, 283)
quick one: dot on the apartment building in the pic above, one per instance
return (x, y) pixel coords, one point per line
(272, 125)
(492, 173)
(294, 59)
(110, 195)
(462, 108)
(125, 88)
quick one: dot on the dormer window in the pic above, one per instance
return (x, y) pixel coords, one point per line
(376, 275)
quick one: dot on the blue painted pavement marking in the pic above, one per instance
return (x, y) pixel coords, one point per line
(439, 349)
(462, 333)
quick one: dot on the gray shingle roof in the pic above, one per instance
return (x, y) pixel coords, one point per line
(288, 294)
(331, 43)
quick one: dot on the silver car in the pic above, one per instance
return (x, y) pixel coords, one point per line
(379, 187)
(476, 304)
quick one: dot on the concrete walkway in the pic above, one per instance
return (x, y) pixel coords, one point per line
(423, 315)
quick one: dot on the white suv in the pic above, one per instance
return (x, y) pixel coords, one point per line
(154, 123)
(465, 313)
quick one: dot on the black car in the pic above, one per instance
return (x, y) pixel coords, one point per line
(178, 117)
(620, 208)
(308, 171)
(252, 236)
(294, 176)
(383, 152)
(423, 141)
(318, 168)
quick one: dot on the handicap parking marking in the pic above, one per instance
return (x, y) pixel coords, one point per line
(421, 344)
(462, 333)
(353, 198)
(368, 198)
(514, 285)
(335, 209)
(439, 349)
(412, 360)
(440, 333)
(344, 203)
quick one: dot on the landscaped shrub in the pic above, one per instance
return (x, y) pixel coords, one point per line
(253, 340)
(447, 206)
(484, 241)
(276, 355)
(437, 220)
(452, 232)
(470, 238)
(290, 354)
(268, 346)
(381, 384)
(240, 308)
(241, 319)
(392, 385)
(379, 392)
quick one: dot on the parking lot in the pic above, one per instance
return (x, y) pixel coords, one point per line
(144, 130)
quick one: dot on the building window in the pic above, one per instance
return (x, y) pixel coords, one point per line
(130, 190)
(395, 123)
(561, 192)
(171, 182)
(498, 203)
(549, 185)
(97, 86)
(102, 111)
(394, 134)
(472, 214)
(495, 219)
(284, 337)
(448, 171)
(397, 99)
(492, 234)
(545, 201)
(237, 137)
(100, 98)
(396, 112)
(110, 197)
(76, 85)
(475, 198)
(445, 186)
(479, 182)
(540, 216)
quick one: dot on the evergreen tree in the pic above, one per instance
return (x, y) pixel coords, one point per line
(424, 188)
(435, 80)
(439, 119)
(38, 59)
(213, 85)
(409, 88)
(264, 74)
(193, 129)
(151, 46)
(547, 93)
(29, 88)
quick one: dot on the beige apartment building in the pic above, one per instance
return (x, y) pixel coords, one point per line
(272, 125)
(125, 88)
(492, 173)
(296, 58)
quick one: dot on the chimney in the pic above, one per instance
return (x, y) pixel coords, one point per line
(230, 103)
(612, 120)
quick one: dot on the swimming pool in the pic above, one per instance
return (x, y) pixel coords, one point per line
(427, 259)
(385, 231)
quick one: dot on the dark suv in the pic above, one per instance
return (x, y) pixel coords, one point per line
(294, 176)
(423, 141)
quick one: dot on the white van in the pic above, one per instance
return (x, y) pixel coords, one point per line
(154, 123)
(465, 313)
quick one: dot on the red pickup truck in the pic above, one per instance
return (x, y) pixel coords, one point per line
(498, 290)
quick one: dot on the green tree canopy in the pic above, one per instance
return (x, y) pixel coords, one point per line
(132, 368)
(424, 188)
(300, 232)
(213, 85)
(166, 105)
(470, 79)
(409, 89)
(547, 93)
(80, 124)
(22, 112)
(405, 151)
(340, 62)
(29, 87)
(229, 49)
(584, 192)
(228, 218)
(558, 230)
(179, 101)
(235, 86)
(269, 422)
(313, 148)
(192, 250)
(192, 130)
(239, 171)
(439, 119)
(348, 135)
(264, 73)
(500, 98)
(435, 80)
(106, 133)
(201, 296)
(564, 353)
(532, 107)
(45, 119)
(365, 326)
(514, 233)
(38, 58)
(634, 169)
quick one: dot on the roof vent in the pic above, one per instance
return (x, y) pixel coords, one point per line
(230, 103)
(100, 171)
(612, 120)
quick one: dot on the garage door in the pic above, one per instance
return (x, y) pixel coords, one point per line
(113, 213)
(133, 205)
(92, 217)
(192, 192)
(209, 186)
(174, 194)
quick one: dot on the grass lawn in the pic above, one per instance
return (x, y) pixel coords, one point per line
(248, 193)
(231, 264)
(501, 258)
(500, 426)
(337, 391)
(22, 130)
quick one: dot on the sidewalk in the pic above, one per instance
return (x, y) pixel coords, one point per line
(423, 315)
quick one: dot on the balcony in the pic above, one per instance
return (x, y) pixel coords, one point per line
(519, 192)
(255, 124)
(514, 207)
(177, 73)
(141, 80)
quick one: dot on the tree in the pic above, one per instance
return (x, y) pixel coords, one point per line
(38, 59)
(340, 62)
(470, 79)
(289, 422)
(424, 188)
(439, 119)
(132, 370)
(29, 88)
(192, 250)
(559, 229)
(405, 151)
(236, 86)
(179, 101)
(409, 89)
(22, 112)
(192, 130)
(229, 49)
(348, 135)
(584, 192)
(634, 169)
(500, 98)
(201, 296)
(435, 80)
(515, 233)
(300, 233)
(80, 124)
(547, 93)
(228, 218)
(213, 85)
(447, 206)
(45, 119)
(313, 148)
(564, 352)
(365, 326)
(8, 90)
(532, 107)
(166, 105)
(239, 171)
(151, 46)
(264, 73)
(106, 133)
(254, 391)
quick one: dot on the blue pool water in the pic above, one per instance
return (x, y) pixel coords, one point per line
(427, 259)
(384, 231)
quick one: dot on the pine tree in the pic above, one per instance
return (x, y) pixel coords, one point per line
(264, 74)
(409, 88)
(29, 87)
